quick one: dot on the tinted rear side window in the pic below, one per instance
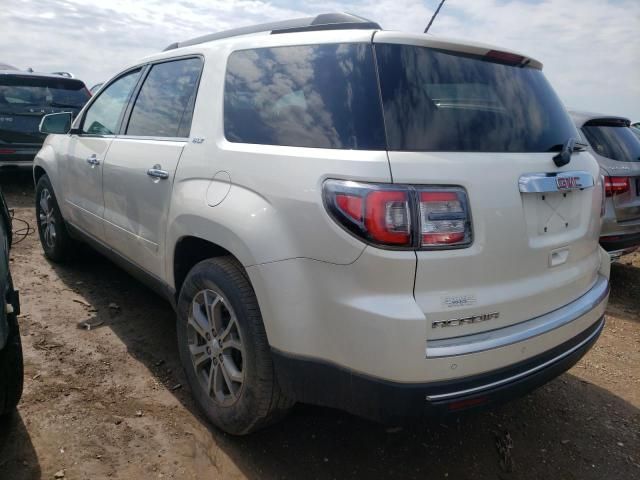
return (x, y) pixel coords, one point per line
(164, 106)
(617, 143)
(17, 91)
(322, 96)
(441, 101)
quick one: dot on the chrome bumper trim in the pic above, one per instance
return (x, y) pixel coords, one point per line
(502, 337)
(497, 383)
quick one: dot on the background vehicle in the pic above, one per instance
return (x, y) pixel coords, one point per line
(11, 367)
(420, 237)
(617, 150)
(24, 99)
(96, 87)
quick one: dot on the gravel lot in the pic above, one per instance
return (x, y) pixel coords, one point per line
(111, 402)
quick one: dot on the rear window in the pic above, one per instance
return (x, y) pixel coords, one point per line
(322, 96)
(617, 143)
(442, 101)
(17, 91)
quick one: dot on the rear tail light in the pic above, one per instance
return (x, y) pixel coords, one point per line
(443, 217)
(616, 185)
(401, 216)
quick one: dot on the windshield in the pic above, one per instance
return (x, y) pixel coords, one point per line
(617, 143)
(18, 93)
(444, 101)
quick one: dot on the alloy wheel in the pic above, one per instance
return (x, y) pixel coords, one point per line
(47, 218)
(216, 346)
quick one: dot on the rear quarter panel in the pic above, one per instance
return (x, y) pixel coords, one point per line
(273, 209)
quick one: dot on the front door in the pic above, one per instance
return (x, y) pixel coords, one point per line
(82, 175)
(139, 171)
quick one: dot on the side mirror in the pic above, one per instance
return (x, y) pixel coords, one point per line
(59, 123)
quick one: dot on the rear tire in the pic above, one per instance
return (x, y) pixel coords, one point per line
(224, 349)
(11, 367)
(54, 237)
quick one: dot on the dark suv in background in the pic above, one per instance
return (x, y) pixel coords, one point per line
(11, 366)
(25, 97)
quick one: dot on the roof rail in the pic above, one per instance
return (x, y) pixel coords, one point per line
(325, 21)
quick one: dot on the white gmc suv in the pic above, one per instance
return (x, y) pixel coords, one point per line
(388, 223)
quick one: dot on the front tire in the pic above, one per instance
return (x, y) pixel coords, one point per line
(224, 349)
(54, 238)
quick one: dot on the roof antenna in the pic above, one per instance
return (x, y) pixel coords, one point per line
(434, 16)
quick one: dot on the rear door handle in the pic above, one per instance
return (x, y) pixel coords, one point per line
(157, 172)
(93, 160)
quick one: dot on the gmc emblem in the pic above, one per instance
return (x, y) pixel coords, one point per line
(568, 183)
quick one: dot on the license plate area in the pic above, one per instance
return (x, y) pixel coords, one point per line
(550, 216)
(556, 212)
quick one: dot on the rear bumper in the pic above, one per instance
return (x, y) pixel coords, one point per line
(17, 156)
(621, 242)
(329, 385)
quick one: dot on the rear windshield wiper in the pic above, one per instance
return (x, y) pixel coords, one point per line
(570, 146)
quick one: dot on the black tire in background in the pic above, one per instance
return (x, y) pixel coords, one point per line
(59, 247)
(259, 401)
(11, 366)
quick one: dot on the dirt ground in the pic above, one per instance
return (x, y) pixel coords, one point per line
(112, 401)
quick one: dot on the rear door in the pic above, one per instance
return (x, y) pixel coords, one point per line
(139, 171)
(87, 151)
(618, 150)
(461, 119)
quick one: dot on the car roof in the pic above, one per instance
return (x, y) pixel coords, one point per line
(582, 117)
(330, 27)
(6, 66)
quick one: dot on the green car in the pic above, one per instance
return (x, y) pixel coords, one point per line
(11, 366)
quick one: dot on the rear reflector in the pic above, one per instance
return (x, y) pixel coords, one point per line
(386, 215)
(6, 151)
(616, 185)
(468, 403)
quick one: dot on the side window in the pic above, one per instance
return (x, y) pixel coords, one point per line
(103, 116)
(322, 96)
(164, 106)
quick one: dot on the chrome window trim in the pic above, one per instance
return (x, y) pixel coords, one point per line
(154, 138)
(497, 383)
(548, 182)
(502, 337)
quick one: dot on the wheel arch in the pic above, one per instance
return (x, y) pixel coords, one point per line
(190, 250)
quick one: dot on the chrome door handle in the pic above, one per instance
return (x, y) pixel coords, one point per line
(93, 160)
(157, 172)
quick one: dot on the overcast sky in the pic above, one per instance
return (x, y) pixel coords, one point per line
(590, 48)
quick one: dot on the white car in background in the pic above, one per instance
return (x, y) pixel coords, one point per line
(389, 223)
